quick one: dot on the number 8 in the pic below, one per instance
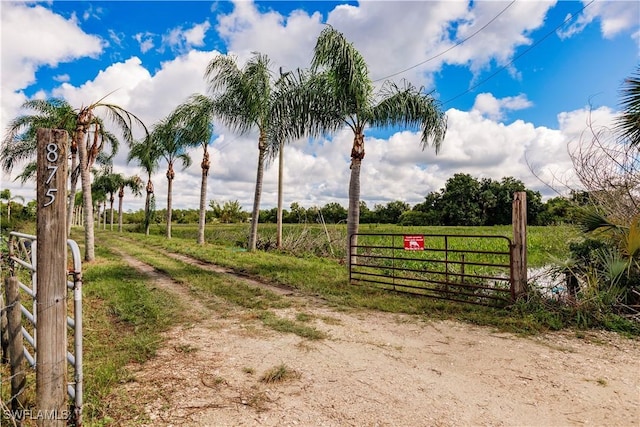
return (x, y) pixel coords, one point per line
(52, 152)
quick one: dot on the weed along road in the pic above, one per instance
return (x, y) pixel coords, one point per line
(288, 358)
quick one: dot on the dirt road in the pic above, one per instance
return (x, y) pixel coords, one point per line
(377, 369)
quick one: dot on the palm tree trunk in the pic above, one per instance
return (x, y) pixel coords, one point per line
(170, 175)
(120, 198)
(203, 195)
(253, 236)
(280, 184)
(104, 214)
(87, 201)
(111, 200)
(147, 207)
(353, 216)
(72, 188)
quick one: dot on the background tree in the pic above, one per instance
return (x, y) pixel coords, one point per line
(20, 142)
(343, 94)
(133, 183)
(147, 156)
(228, 212)
(171, 137)
(391, 212)
(460, 202)
(333, 213)
(244, 99)
(6, 195)
(297, 214)
(90, 144)
(107, 183)
(496, 199)
(195, 117)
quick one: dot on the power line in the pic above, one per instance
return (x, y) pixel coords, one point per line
(502, 68)
(452, 47)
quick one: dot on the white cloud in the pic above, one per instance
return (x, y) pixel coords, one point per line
(50, 40)
(195, 36)
(493, 108)
(615, 17)
(145, 41)
(180, 40)
(62, 78)
(115, 37)
(288, 41)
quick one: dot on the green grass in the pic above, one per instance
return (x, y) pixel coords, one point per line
(218, 290)
(544, 244)
(314, 276)
(123, 320)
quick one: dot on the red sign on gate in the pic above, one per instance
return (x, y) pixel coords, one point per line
(414, 243)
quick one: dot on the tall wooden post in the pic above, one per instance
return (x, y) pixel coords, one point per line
(51, 299)
(519, 263)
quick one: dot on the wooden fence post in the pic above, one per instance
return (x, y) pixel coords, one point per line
(51, 262)
(519, 218)
(16, 345)
(4, 331)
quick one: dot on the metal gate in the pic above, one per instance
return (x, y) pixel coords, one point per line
(473, 269)
(22, 263)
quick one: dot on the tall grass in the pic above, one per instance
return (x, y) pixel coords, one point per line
(544, 244)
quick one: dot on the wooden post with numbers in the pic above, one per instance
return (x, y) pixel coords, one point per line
(51, 264)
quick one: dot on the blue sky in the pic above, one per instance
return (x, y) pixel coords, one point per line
(517, 92)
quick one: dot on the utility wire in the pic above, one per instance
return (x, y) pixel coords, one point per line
(502, 68)
(452, 47)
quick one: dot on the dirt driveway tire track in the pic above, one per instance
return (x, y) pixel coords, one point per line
(380, 369)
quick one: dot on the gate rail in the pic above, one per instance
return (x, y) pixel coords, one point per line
(22, 253)
(442, 266)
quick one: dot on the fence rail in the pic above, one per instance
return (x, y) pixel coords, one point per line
(22, 265)
(476, 269)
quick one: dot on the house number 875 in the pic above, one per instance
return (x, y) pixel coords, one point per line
(52, 157)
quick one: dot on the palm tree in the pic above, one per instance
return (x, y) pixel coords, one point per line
(20, 143)
(133, 183)
(171, 138)
(244, 100)
(87, 138)
(342, 93)
(195, 116)
(6, 195)
(109, 183)
(148, 158)
(629, 121)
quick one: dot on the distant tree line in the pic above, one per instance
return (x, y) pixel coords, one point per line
(464, 200)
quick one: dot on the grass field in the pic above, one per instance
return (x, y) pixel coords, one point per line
(544, 244)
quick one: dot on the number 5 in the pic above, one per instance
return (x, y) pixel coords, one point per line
(50, 193)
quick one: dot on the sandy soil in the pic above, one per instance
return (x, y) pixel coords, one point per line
(377, 369)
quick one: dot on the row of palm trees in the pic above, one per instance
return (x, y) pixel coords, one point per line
(336, 91)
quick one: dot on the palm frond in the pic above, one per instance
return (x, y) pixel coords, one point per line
(628, 123)
(346, 69)
(410, 107)
(590, 220)
(28, 173)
